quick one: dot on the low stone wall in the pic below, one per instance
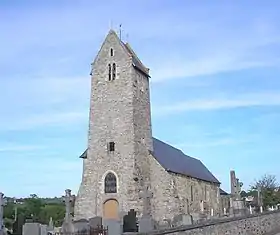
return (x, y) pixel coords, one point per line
(267, 223)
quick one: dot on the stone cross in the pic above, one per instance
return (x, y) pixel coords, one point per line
(51, 223)
(1, 211)
(68, 198)
(146, 195)
(235, 186)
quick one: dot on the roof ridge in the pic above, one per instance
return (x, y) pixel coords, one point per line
(134, 54)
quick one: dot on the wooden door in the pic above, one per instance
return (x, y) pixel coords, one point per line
(111, 209)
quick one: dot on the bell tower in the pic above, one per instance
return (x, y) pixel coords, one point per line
(116, 164)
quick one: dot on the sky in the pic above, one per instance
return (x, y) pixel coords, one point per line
(215, 87)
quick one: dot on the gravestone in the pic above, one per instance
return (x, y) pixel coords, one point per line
(43, 229)
(18, 225)
(67, 226)
(81, 225)
(113, 225)
(31, 229)
(236, 203)
(130, 222)
(50, 227)
(95, 222)
(182, 219)
(146, 223)
(164, 224)
(202, 206)
(198, 217)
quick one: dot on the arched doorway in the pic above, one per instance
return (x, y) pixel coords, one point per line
(111, 209)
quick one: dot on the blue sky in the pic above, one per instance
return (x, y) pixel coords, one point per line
(215, 84)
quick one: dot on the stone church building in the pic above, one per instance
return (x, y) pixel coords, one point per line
(124, 167)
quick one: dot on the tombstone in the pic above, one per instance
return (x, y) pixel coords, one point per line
(212, 212)
(182, 219)
(31, 229)
(43, 229)
(95, 222)
(146, 195)
(237, 204)
(67, 226)
(113, 225)
(250, 210)
(261, 209)
(166, 223)
(201, 206)
(198, 217)
(18, 224)
(235, 186)
(130, 222)
(225, 211)
(81, 226)
(146, 223)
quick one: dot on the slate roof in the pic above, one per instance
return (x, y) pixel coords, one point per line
(174, 160)
(135, 60)
(222, 192)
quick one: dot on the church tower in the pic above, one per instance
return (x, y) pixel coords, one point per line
(116, 164)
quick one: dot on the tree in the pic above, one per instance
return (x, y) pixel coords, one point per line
(269, 188)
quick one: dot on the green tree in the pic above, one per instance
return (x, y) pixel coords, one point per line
(269, 188)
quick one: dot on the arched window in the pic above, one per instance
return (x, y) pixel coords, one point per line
(114, 71)
(110, 183)
(109, 71)
(112, 52)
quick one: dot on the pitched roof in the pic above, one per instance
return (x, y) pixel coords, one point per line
(174, 160)
(135, 60)
(222, 192)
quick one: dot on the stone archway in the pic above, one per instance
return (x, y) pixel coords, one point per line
(111, 209)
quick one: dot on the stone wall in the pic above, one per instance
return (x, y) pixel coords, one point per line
(119, 113)
(180, 194)
(267, 223)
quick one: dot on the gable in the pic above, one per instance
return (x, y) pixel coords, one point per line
(111, 40)
(174, 160)
(128, 51)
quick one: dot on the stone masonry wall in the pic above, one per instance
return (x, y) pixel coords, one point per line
(266, 224)
(174, 195)
(118, 113)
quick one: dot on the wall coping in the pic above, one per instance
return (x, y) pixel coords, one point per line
(207, 223)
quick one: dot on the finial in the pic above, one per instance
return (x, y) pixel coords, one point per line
(111, 24)
(120, 31)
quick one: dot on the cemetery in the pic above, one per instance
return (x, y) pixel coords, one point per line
(133, 183)
(237, 219)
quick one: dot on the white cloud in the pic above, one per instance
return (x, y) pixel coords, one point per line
(248, 100)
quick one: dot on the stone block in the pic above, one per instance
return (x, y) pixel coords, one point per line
(114, 226)
(182, 219)
(31, 229)
(146, 224)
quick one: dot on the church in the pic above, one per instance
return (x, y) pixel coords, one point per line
(124, 166)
